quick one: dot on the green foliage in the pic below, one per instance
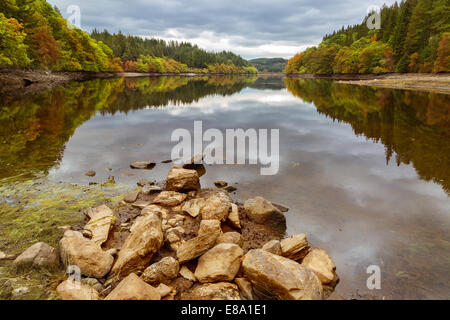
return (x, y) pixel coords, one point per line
(411, 39)
(156, 55)
(269, 64)
(33, 34)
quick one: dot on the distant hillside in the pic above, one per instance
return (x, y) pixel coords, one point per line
(269, 64)
(414, 37)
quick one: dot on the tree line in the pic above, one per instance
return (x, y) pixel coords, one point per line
(33, 34)
(414, 37)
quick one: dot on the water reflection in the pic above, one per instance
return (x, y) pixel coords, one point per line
(365, 171)
(414, 127)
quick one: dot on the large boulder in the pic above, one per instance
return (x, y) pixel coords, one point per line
(180, 179)
(162, 271)
(212, 291)
(221, 263)
(262, 211)
(69, 290)
(277, 277)
(217, 206)
(39, 255)
(134, 288)
(169, 198)
(84, 253)
(102, 219)
(295, 247)
(144, 241)
(321, 264)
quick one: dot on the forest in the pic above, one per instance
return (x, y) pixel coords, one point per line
(269, 64)
(414, 37)
(33, 34)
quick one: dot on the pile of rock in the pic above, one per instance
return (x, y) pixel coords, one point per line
(184, 242)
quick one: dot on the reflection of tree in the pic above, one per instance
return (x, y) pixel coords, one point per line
(415, 126)
(34, 128)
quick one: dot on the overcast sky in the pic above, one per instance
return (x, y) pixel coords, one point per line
(251, 28)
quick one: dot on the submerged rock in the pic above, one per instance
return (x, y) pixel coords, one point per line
(220, 184)
(180, 179)
(212, 291)
(277, 277)
(102, 219)
(69, 290)
(39, 255)
(134, 288)
(90, 173)
(144, 241)
(86, 254)
(220, 263)
(143, 165)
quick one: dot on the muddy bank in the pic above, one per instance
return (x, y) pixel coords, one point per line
(439, 83)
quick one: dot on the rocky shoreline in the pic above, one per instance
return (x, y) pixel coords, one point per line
(175, 240)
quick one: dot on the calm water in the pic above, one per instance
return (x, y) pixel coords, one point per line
(365, 172)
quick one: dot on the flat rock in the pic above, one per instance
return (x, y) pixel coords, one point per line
(233, 217)
(90, 173)
(295, 247)
(180, 179)
(169, 198)
(131, 197)
(84, 253)
(102, 220)
(231, 237)
(194, 206)
(39, 255)
(150, 189)
(134, 288)
(273, 246)
(144, 240)
(321, 264)
(143, 165)
(212, 291)
(162, 271)
(262, 211)
(273, 276)
(220, 263)
(195, 247)
(141, 204)
(143, 182)
(69, 290)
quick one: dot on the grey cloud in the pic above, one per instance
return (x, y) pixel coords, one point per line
(247, 24)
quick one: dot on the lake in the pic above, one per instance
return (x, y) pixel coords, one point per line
(364, 171)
